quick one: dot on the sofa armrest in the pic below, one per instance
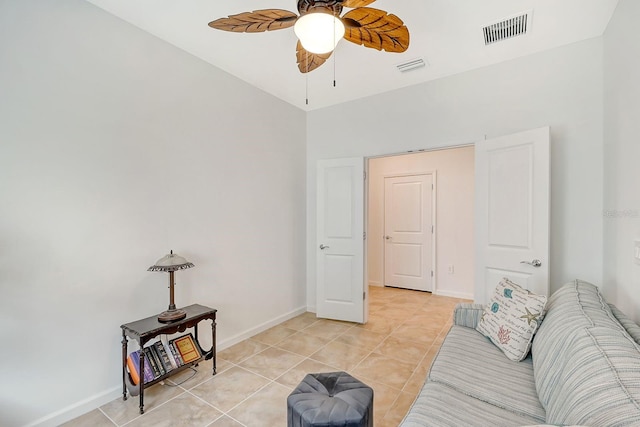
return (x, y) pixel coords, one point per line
(468, 315)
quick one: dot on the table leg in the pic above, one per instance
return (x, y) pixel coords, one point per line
(124, 365)
(213, 343)
(141, 380)
(195, 332)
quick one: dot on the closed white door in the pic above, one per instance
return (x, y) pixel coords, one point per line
(512, 212)
(408, 223)
(340, 240)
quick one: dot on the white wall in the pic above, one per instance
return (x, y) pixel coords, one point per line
(561, 88)
(454, 170)
(116, 147)
(622, 157)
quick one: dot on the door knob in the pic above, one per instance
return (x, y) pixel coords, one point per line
(323, 247)
(387, 237)
(534, 263)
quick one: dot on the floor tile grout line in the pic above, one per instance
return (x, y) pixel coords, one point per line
(389, 334)
(226, 413)
(249, 396)
(296, 354)
(225, 416)
(301, 362)
(372, 352)
(108, 417)
(415, 368)
(190, 392)
(236, 420)
(156, 407)
(334, 339)
(417, 308)
(208, 403)
(253, 354)
(391, 357)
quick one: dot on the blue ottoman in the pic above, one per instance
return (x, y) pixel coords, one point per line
(331, 399)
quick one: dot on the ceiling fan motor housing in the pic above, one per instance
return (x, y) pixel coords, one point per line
(333, 7)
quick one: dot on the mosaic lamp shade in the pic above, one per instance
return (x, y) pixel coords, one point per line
(171, 263)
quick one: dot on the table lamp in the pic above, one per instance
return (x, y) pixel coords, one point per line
(171, 262)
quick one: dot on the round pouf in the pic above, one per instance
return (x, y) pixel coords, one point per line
(330, 399)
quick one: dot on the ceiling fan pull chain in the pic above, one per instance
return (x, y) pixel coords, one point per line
(334, 53)
(306, 80)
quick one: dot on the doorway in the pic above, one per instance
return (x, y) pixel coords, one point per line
(509, 169)
(448, 260)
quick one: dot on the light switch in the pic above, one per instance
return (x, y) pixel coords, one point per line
(636, 251)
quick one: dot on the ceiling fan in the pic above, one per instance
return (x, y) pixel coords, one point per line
(320, 26)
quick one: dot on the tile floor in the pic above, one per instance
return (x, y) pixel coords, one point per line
(392, 353)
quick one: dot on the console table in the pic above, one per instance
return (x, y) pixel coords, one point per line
(145, 330)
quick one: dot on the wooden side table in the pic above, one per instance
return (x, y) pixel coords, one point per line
(145, 330)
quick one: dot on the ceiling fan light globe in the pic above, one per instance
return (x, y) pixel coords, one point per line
(319, 32)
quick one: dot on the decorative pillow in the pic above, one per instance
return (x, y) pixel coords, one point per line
(511, 318)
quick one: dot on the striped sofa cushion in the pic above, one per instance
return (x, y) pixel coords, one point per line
(586, 366)
(469, 363)
(438, 405)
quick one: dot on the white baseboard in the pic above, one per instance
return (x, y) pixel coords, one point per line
(260, 328)
(375, 283)
(311, 309)
(93, 402)
(453, 294)
(77, 409)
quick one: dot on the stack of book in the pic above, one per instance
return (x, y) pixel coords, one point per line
(161, 358)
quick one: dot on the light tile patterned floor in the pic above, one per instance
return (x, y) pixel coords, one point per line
(392, 353)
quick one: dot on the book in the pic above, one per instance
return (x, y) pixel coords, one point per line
(176, 355)
(163, 356)
(133, 368)
(151, 362)
(156, 358)
(148, 372)
(134, 358)
(172, 358)
(187, 348)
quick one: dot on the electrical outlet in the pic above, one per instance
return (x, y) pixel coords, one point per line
(450, 269)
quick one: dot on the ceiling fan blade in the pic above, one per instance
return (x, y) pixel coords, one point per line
(256, 22)
(376, 29)
(308, 61)
(351, 4)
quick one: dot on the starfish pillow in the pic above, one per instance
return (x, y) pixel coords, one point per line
(511, 318)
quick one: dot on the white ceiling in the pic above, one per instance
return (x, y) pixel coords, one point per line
(445, 33)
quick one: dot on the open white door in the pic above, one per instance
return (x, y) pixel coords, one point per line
(340, 240)
(512, 212)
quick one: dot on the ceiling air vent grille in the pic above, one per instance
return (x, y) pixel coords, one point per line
(411, 65)
(507, 28)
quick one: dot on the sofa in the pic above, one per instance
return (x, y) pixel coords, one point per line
(583, 369)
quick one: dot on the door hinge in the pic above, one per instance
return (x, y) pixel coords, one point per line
(364, 174)
(431, 273)
(364, 296)
(364, 235)
(432, 229)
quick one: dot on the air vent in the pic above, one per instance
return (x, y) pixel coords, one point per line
(507, 28)
(411, 65)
